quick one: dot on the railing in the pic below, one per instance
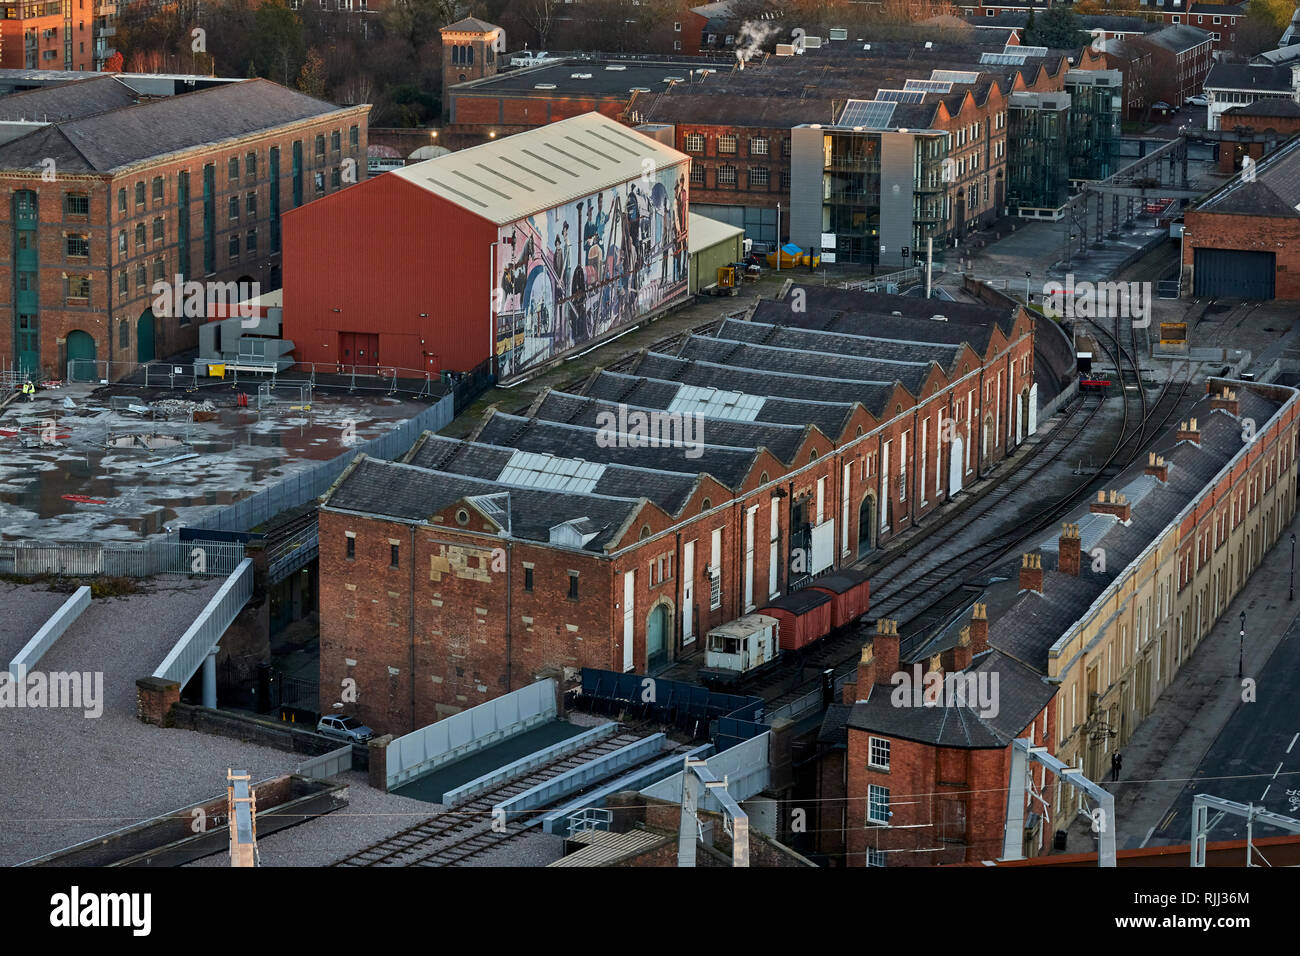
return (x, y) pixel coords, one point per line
(202, 636)
(288, 555)
(902, 277)
(91, 559)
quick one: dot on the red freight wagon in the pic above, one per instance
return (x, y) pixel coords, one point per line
(805, 616)
(850, 593)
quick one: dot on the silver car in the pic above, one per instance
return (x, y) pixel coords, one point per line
(344, 728)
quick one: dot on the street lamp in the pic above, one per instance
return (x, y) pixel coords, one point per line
(1241, 646)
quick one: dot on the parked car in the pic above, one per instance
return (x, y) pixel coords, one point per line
(1197, 100)
(344, 728)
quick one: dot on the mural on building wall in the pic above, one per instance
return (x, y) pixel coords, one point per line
(572, 273)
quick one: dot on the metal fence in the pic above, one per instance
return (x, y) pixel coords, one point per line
(198, 640)
(313, 482)
(90, 559)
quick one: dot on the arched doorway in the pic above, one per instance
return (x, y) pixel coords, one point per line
(656, 634)
(956, 457)
(81, 348)
(144, 329)
(1022, 415)
(986, 441)
(866, 525)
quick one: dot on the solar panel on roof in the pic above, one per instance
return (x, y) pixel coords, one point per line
(1003, 59)
(928, 86)
(900, 96)
(1026, 50)
(954, 76)
(870, 113)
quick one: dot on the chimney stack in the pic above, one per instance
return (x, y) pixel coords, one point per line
(1112, 503)
(884, 648)
(1225, 400)
(1031, 573)
(960, 656)
(1156, 466)
(979, 629)
(1187, 431)
(1069, 548)
(933, 694)
(864, 678)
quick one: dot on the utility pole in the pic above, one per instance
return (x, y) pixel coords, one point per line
(1241, 646)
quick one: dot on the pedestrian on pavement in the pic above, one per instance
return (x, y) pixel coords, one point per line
(1116, 761)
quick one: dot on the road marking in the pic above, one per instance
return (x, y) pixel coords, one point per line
(1292, 743)
(1277, 771)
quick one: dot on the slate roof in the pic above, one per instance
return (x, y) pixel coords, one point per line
(793, 386)
(1177, 38)
(85, 97)
(1249, 76)
(666, 488)
(1024, 625)
(410, 493)
(816, 340)
(469, 25)
(1274, 192)
(120, 138)
(728, 465)
(911, 374)
(1266, 107)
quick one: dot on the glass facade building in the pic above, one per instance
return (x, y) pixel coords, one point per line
(1096, 102)
(1038, 153)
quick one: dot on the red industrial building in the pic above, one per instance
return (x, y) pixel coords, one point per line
(504, 256)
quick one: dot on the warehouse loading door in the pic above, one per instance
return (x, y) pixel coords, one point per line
(1234, 273)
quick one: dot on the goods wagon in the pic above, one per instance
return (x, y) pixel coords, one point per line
(805, 616)
(850, 595)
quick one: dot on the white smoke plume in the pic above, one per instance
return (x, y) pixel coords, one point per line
(749, 41)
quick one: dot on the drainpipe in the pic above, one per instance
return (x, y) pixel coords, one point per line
(679, 625)
(510, 617)
(411, 618)
(916, 440)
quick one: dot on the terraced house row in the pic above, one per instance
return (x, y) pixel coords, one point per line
(562, 537)
(1076, 639)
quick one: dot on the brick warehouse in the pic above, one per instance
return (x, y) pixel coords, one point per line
(145, 189)
(470, 567)
(512, 253)
(1081, 653)
(1243, 240)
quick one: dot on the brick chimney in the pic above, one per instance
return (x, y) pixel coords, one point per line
(884, 647)
(1031, 573)
(1112, 503)
(1069, 549)
(959, 657)
(865, 677)
(979, 629)
(1187, 431)
(1225, 400)
(1156, 466)
(933, 694)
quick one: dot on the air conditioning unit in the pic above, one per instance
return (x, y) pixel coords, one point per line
(839, 33)
(785, 49)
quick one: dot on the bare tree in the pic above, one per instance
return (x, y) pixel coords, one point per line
(540, 16)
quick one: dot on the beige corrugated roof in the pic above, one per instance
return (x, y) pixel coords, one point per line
(516, 176)
(604, 847)
(705, 232)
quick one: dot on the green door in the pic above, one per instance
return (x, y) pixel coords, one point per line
(29, 344)
(81, 357)
(144, 337)
(656, 629)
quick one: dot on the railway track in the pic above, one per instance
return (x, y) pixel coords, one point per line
(455, 835)
(919, 600)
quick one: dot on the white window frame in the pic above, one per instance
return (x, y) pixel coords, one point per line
(878, 745)
(873, 797)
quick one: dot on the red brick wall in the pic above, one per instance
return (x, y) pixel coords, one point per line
(13, 47)
(1220, 231)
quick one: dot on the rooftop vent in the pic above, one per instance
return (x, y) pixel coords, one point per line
(674, 79)
(579, 76)
(616, 66)
(639, 89)
(929, 45)
(785, 49)
(896, 313)
(839, 33)
(543, 86)
(939, 318)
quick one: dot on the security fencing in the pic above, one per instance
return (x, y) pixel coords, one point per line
(144, 560)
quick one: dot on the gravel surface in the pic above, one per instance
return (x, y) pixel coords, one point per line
(23, 609)
(72, 777)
